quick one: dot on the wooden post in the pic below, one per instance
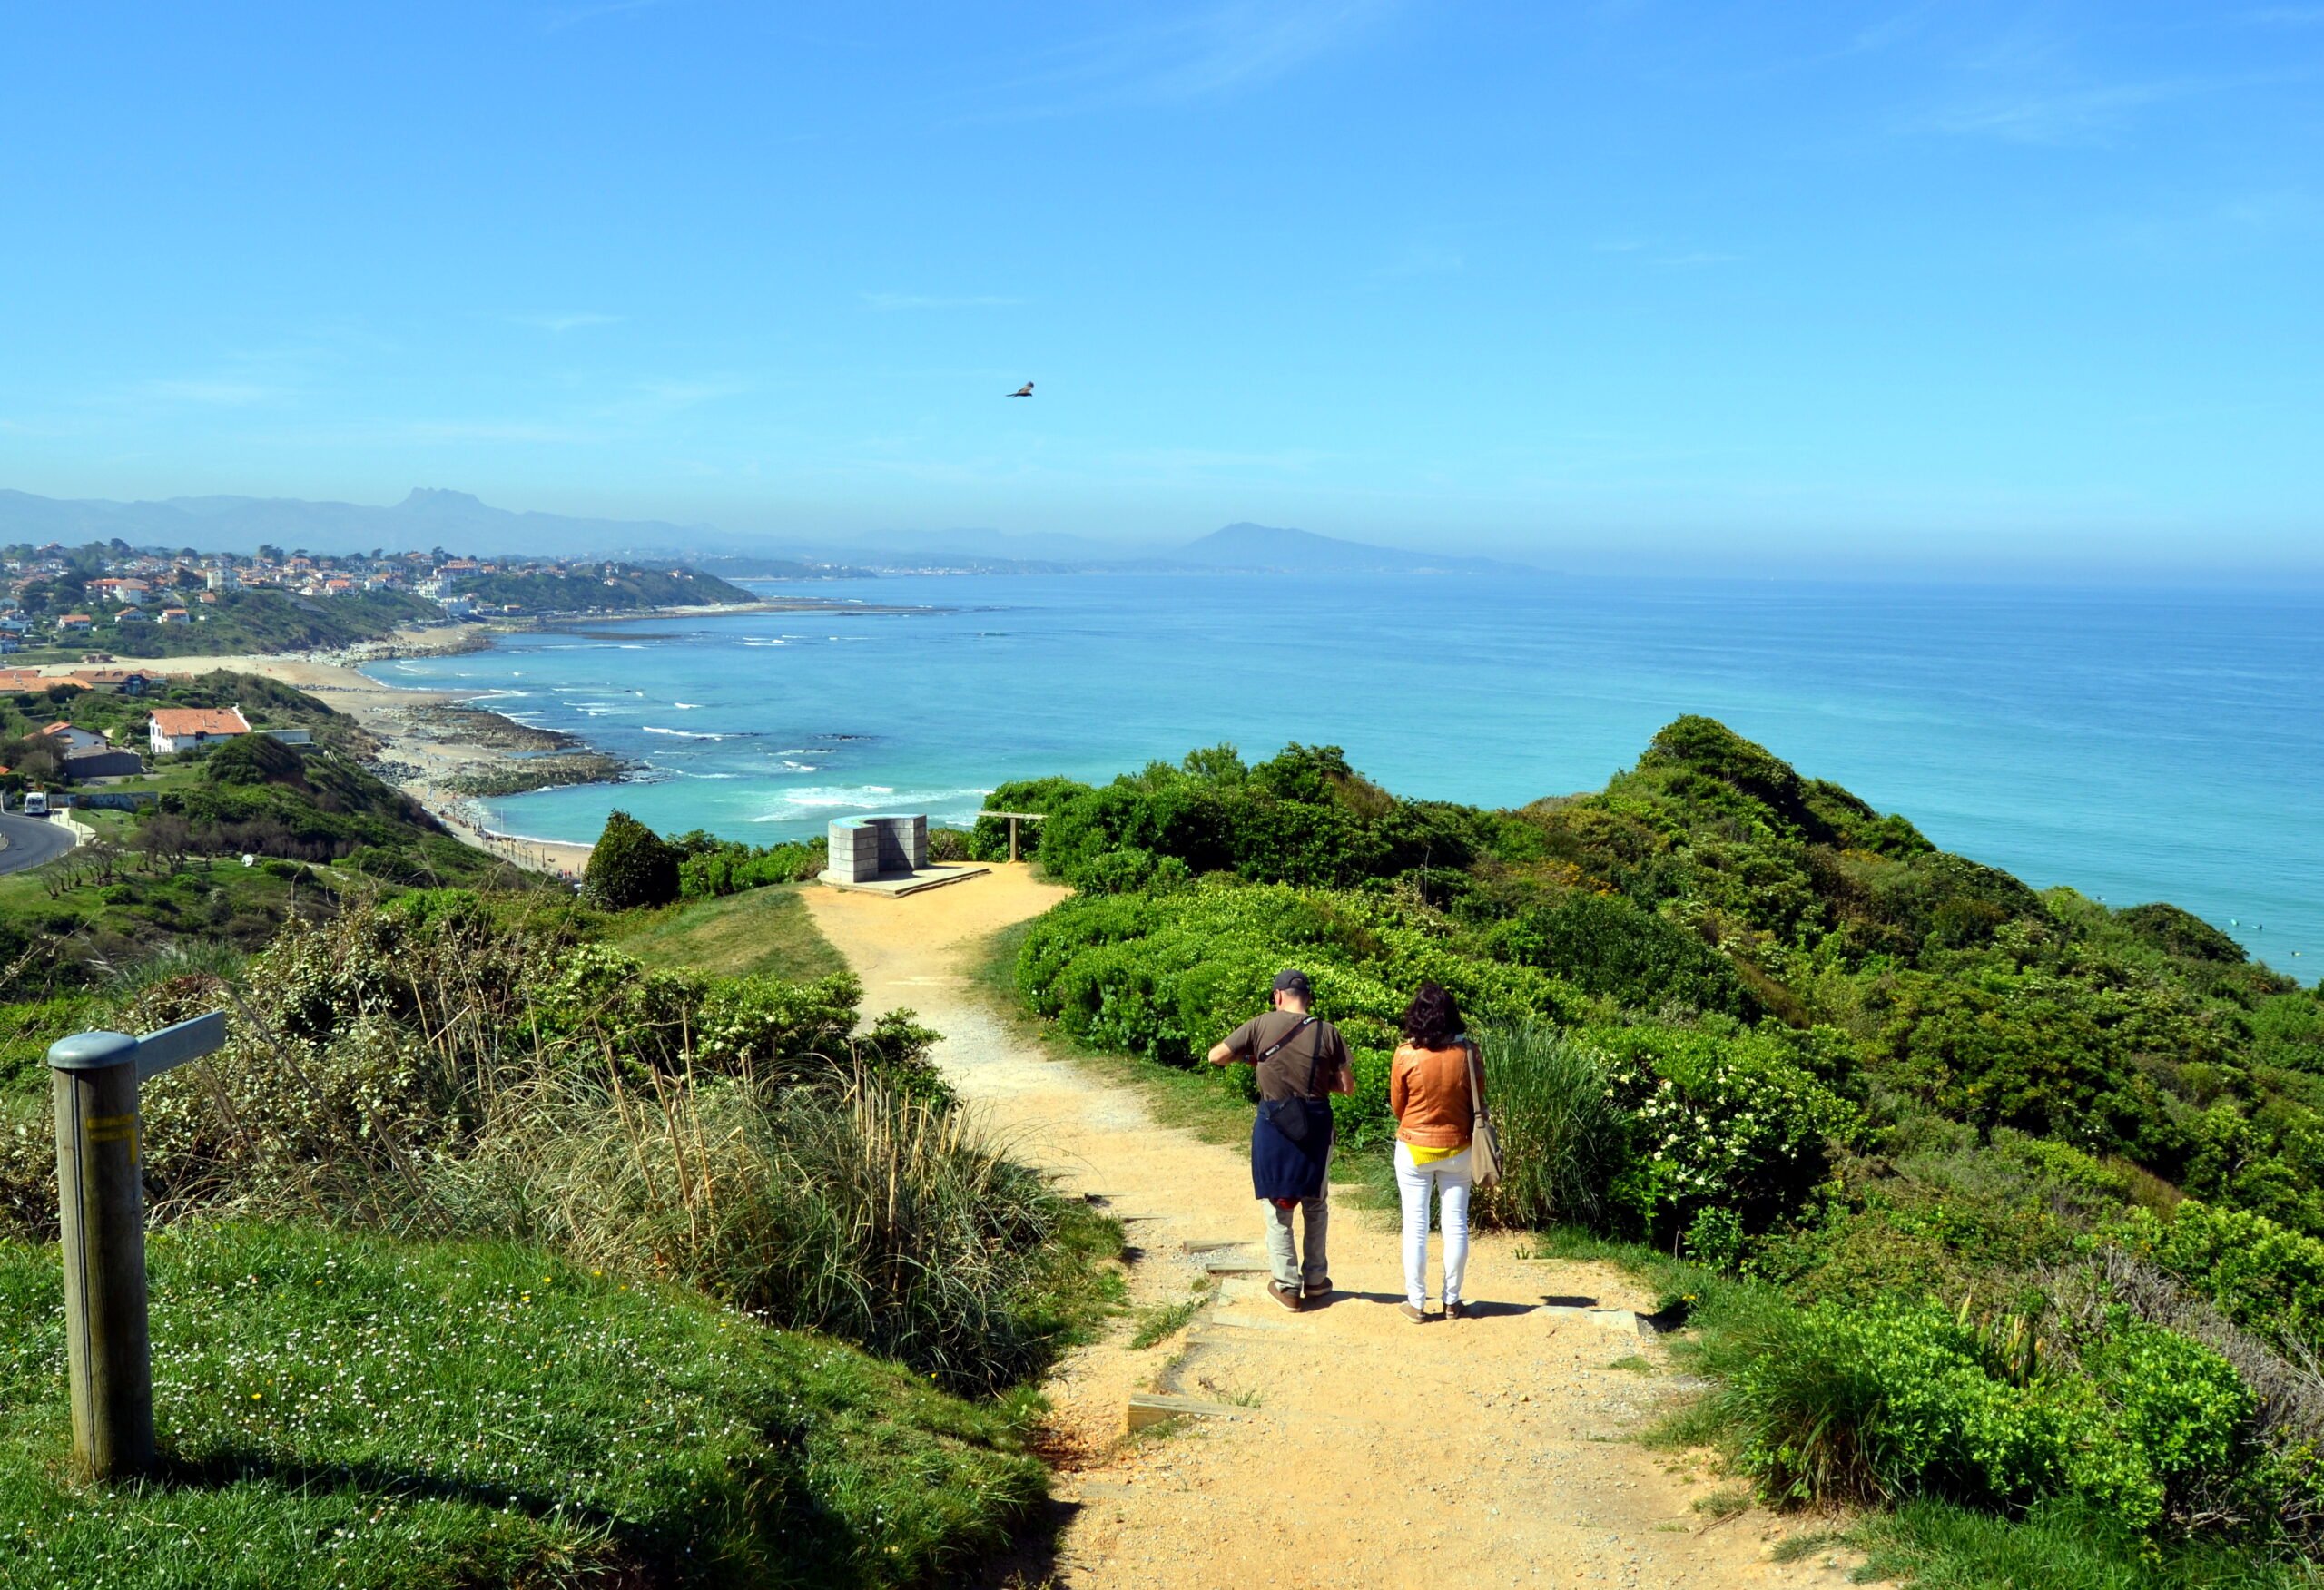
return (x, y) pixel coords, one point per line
(101, 1198)
(1012, 838)
(103, 1205)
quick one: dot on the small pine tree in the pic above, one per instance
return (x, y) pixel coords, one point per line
(630, 866)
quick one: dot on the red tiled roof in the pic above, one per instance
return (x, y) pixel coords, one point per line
(178, 721)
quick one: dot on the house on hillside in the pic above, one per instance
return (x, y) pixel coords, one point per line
(176, 728)
(69, 738)
(74, 621)
(128, 681)
(175, 616)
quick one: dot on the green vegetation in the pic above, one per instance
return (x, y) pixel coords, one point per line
(239, 621)
(442, 1081)
(615, 587)
(630, 866)
(545, 1262)
(710, 867)
(1967, 1196)
(766, 932)
(346, 1409)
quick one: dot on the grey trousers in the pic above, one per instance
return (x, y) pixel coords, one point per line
(1284, 1258)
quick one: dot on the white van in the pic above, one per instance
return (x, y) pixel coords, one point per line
(35, 803)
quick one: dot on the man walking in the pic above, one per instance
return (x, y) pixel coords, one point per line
(1301, 1060)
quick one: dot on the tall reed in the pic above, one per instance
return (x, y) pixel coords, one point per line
(1562, 1138)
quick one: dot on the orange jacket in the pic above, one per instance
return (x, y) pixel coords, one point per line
(1428, 1091)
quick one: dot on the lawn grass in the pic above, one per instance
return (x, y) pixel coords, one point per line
(761, 932)
(341, 1410)
(2055, 1546)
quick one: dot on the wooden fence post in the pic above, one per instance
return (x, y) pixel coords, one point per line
(100, 1195)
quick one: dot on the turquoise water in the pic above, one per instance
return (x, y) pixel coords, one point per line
(2137, 745)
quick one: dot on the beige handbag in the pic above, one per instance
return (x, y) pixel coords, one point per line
(1484, 1143)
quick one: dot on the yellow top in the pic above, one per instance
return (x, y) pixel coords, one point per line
(1429, 1156)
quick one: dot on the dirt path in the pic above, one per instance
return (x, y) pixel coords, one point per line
(1361, 1450)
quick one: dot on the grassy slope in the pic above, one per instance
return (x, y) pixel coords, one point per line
(344, 1410)
(761, 932)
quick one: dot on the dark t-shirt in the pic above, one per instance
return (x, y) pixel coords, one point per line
(1319, 1052)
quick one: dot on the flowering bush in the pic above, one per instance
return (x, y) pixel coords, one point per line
(1732, 1121)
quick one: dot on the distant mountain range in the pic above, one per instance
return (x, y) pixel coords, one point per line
(459, 521)
(426, 518)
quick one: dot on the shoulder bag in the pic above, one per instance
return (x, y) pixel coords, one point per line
(1295, 1118)
(1485, 1141)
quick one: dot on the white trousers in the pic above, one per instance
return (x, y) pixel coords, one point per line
(1449, 1179)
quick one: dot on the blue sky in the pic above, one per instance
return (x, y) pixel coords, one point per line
(1710, 287)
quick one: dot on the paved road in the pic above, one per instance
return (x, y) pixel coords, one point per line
(31, 841)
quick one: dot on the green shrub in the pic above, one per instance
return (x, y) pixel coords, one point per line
(1602, 944)
(711, 867)
(1894, 1399)
(630, 866)
(2268, 1279)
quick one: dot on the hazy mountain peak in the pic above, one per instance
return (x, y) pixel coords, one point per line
(430, 499)
(1246, 546)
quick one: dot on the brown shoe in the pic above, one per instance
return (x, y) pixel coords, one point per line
(1322, 1289)
(1285, 1295)
(1456, 1311)
(1413, 1315)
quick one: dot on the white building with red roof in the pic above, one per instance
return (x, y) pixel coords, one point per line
(175, 729)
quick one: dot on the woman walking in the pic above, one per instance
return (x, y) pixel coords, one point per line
(1429, 1091)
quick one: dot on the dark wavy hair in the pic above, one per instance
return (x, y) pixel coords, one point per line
(1433, 1020)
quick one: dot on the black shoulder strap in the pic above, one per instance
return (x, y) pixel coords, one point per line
(1305, 1023)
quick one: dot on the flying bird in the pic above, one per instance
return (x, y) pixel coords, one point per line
(1024, 391)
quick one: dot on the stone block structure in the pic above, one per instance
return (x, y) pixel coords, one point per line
(865, 847)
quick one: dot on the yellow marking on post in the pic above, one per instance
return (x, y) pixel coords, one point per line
(113, 1129)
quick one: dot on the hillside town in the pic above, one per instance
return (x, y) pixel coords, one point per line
(56, 596)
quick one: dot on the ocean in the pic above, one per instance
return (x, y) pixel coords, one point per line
(2137, 744)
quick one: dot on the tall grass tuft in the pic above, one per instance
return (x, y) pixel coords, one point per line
(883, 1218)
(1562, 1137)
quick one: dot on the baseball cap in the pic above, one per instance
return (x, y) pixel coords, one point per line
(1289, 981)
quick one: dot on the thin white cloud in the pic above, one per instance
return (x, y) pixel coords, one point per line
(2067, 116)
(913, 301)
(1201, 52)
(1696, 259)
(573, 322)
